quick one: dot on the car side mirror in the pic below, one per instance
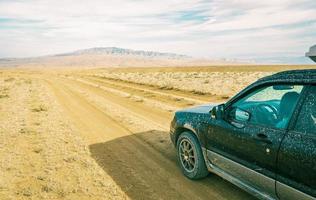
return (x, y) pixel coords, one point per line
(242, 115)
(217, 112)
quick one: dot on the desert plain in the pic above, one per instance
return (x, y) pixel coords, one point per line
(103, 133)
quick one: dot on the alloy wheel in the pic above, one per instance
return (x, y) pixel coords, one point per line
(187, 155)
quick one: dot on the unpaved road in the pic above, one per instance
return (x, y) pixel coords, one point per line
(126, 129)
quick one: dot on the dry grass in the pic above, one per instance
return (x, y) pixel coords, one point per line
(224, 84)
(222, 81)
(214, 68)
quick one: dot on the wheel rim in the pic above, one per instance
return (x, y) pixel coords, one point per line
(187, 155)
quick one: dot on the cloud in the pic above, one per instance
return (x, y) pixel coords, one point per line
(244, 29)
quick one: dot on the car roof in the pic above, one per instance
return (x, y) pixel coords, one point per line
(304, 76)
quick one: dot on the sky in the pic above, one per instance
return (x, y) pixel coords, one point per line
(268, 31)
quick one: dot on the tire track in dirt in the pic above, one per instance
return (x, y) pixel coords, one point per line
(89, 119)
(129, 95)
(141, 170)
(172, 92)
(158, 117)
(144, 88)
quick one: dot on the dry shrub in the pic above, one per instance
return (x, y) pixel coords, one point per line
(166, 87)
(225, 97)
(9, 79)
(198, 92)
(147, 94)
(28, 81)
(40, 108)
(139, 100)
(4, 96)
(190, 104)
(4, 89)
(178, 99)
(38, 150)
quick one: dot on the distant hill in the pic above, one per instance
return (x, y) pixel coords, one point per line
(124, 52)
(110, 57)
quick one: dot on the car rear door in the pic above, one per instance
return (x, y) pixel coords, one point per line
(296, 162)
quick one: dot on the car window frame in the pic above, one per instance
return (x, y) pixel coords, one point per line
(250, 90)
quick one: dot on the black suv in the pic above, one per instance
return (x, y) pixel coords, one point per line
(263, 139)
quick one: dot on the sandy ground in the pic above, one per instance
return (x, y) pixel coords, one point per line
(79, 135)
(42, 154)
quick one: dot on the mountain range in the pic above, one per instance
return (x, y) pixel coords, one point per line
(110, 57)
(123, 52)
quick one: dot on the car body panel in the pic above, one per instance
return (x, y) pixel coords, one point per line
(241, 175)
(192, 119)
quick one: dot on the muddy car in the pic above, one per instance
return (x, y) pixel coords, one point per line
(262, 140)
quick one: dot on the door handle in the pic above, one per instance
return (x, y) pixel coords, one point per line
(263, 138)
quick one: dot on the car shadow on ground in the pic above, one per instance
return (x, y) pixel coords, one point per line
(145, 166)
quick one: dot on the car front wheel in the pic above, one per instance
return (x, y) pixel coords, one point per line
(190, 156)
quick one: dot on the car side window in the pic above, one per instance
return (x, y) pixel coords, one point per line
(306, 121)
(268, 106)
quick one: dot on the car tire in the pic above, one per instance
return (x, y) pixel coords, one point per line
(191, 160)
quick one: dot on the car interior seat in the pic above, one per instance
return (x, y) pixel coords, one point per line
(287, 103)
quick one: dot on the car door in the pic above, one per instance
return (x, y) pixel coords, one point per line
(246, 147)
(297, 156)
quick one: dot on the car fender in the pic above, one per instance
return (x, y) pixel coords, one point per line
(191, 127)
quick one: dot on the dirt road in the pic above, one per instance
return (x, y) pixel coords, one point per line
(126, 126)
